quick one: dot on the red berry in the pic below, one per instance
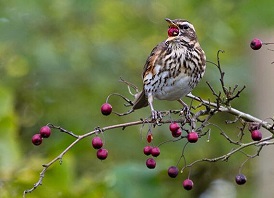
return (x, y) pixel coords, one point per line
(106, 109)
(192, 137)
(155, 151)
(174, 126)
(151, 163)
(102, 153)
(97, 142)
(176, 134)
(256, 135)
(173, 171)
(188, 184)
(37, 139)
(173, 31)
(45, 131)
(149, 137)
(240, 179)
(256, 44)
(147, 150)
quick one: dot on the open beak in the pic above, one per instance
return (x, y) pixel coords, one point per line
(170, 23)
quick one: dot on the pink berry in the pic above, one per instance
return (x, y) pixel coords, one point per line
(102, 153)
(256, 135)
(174, 127)
(37, 139)
(45, 131)
(151, 163)
(256, 44)
(106, 109)
(173, 31)
(147, 150)
(97, 142)
(192, 137)
(176, 134)
(188, 184)
(240, 179)
(155, 151)
(173, 171)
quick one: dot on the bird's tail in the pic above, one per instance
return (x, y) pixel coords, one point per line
(140, 100)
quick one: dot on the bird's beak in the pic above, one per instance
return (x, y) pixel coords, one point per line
(170, 23)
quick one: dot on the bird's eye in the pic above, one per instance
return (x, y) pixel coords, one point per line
(185, 26)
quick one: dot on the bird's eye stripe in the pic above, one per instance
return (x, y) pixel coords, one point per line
(184, 26)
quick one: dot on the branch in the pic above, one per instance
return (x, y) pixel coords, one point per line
(235, 112)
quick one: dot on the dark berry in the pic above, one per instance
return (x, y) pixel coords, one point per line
(102, 154)
(174, 126)
(151, 163)
(45, 131)
(256, 135)
(192, 137)
(155, 151)
(37, 139)
(147, 150)
(106, 109)
(240, 179)
(173, 171)
(256, 44)
(176, 134)
(173, 31)
(97, 142)
(149, 137)
(188, 184)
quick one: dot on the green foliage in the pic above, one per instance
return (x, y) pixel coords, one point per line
(60, 59)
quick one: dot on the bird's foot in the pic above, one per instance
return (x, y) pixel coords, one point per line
(156, 115)
(186, 112)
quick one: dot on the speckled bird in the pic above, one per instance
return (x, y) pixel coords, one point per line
(173, 68)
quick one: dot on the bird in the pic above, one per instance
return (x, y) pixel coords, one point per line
(173, 68)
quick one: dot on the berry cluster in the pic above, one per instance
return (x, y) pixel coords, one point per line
(44, 132)
(172, 171)
(97, 143)
(175, 129)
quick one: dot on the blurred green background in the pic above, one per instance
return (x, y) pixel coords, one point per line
(59, 60)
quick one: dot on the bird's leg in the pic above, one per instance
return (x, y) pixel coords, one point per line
(154, 114)
(185, 109)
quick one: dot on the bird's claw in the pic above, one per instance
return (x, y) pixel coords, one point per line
(186, 111)
(156, 115)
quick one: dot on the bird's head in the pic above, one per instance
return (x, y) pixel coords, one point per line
(180, 29)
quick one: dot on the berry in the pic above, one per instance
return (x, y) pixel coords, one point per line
(173, 171)
(240, 179)
(147, 150)
(97, 142)
(45, 131)
(37, 139)
(176, 134)
(173, 31)
(102, 153)
(149, 137)
(106, 109)
(256, 44)
(188, 184)
(151, 163)
(192, 137)
(173, 127)
(155, 151)
(256, 135)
